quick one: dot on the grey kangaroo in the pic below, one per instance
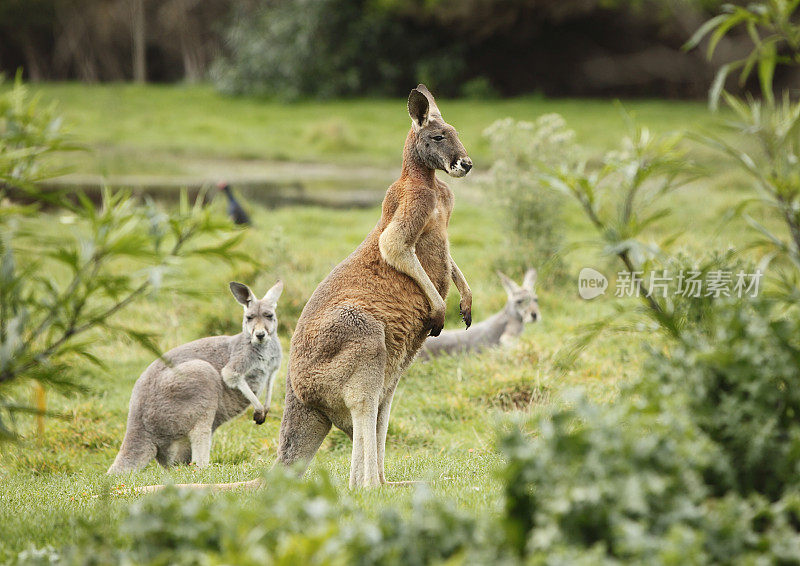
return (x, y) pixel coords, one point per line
(176, 406)
(498, 330)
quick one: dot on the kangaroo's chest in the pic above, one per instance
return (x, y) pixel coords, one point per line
(262, 366)
(256, 377)
(433, 248)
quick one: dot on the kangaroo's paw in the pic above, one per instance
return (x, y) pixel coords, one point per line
(260, 415)
(466, 314)
(436, 322)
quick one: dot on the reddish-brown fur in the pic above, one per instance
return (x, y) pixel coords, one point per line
(366, 321)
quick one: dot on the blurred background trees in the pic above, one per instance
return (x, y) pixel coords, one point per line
(371, 47)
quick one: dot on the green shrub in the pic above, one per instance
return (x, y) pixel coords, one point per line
(328, 48)
(616, 479)
(59, 285)
(530, 213)
(743, 385)
(479, 88)
(288, 522)
(696, 462)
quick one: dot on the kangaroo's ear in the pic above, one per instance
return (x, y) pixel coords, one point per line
(530, 279)
(434, 112)
(274, 293)
(508, 284)
(418, 109)
(242, 293)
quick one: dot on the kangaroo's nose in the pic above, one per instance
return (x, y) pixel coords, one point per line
(466, 163)
(260, 334)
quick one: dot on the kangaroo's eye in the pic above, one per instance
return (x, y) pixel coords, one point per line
(437, 138)
(250, 317)
(269, 315)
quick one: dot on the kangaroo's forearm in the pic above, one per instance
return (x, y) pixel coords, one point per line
(248, 393)
(237, 381)
(459, 280)
(268, 394)
(403, 258)
(463, 290)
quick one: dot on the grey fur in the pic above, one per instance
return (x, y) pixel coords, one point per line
(176, 406)
(499, 329)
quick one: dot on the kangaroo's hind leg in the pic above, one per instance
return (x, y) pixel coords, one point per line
(364, 461)
(191, 393)
(180, 452)
(137, 451)
(138, 447)
(303, 429)
(200, 440)
(361, 394)
(384, 410)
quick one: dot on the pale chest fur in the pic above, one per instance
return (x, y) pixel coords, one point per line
(433, 248)
(256, 364)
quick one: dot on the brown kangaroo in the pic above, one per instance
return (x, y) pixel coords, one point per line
(365, 322)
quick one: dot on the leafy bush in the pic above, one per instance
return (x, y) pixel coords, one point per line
(617, 479)
(288, 522)
(633, 483)
(29, 132)
(56, 287)
(744, 384)
(531, 214)
(697, 461)
(479, 88)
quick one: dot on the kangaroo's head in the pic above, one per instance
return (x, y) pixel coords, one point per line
(522, 300)
(437, 143)
(260, 319)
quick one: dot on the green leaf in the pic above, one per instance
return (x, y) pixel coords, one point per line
(766, 70)
(702, 31)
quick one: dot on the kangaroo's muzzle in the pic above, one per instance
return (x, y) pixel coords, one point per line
(460, 167)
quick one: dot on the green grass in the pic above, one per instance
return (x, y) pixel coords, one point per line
(444, 416)
(445, 413)
(166, 130)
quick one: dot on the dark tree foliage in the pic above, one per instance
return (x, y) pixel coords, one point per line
(361, 47)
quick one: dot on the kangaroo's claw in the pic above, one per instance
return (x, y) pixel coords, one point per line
(466, 316)
(436, 322)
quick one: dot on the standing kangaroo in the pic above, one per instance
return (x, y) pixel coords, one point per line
(365, 322)
(176, 406)
(500, 329)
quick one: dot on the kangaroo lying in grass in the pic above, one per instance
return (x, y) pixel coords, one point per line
(176, 406)
(498, 330)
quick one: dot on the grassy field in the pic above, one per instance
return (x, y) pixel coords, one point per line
(445, 413)
(165, 130)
